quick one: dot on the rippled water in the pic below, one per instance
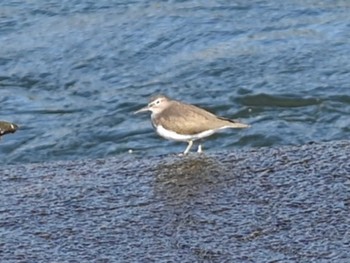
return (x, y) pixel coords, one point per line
(72, 72)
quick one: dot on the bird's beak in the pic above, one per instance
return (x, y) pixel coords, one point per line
(141, 110)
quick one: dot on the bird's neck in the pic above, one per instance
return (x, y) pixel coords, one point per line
(155, 119)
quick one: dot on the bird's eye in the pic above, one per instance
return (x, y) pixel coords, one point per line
(157, 102)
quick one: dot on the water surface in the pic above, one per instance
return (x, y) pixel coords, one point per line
(72, 72)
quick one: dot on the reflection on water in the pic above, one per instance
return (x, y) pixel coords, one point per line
(188, 167)
(184, 178)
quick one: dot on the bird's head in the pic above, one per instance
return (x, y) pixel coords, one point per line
(156, 104)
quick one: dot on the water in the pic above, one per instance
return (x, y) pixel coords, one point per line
(72, 72)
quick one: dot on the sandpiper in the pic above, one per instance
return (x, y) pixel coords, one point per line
(178, 121)
(7, 127)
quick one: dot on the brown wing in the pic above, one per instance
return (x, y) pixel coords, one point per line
(189, 119)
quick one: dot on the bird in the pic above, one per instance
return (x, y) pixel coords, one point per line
(7, 127)
(179, 121)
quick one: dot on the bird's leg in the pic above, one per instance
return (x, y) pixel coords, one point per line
(199, 148)
(188, 147)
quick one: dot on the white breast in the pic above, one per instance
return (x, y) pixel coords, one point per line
(171, 135)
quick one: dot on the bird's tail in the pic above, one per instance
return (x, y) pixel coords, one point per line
(235, 124)
(239, 125)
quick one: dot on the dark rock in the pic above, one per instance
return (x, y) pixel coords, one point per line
(287, 204)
